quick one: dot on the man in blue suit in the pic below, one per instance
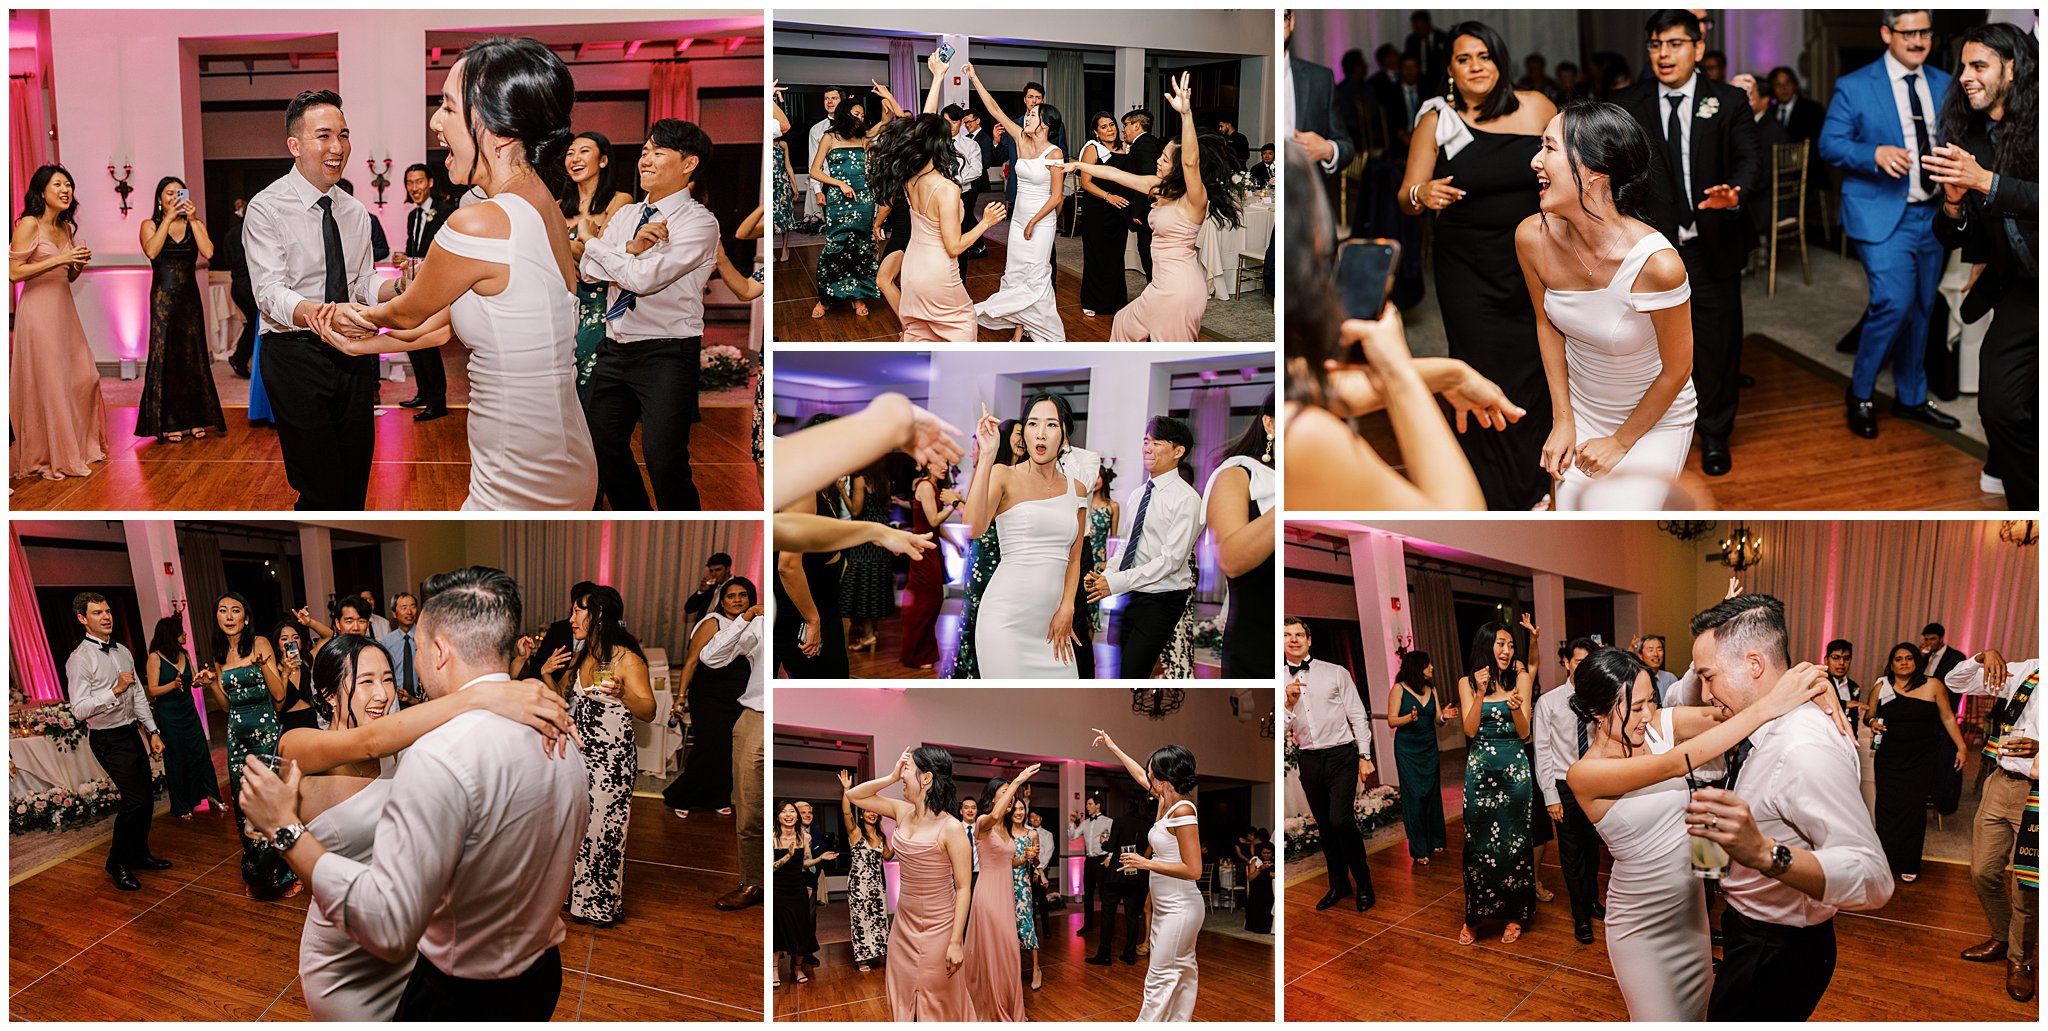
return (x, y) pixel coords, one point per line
(1881, 122)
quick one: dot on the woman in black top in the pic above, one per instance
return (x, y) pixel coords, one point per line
(1919, 741)
(296, 709)
(1244, 528)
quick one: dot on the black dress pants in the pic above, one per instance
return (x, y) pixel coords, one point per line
(120, 751)
(432, 376)
(324, 405)
(1578, 852)
(1146, 629)
(1094, 893)
(1132, 898)
(528, 995)
(1716, 343)
(1329, 777)
(651, 384)
(1770, 971)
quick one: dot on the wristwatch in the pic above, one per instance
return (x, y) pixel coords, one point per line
(1781, 861)
(286, 837)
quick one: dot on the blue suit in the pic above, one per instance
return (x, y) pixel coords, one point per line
(1894, 239)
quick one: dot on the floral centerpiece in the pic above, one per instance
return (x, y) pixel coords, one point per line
(56, 723)
(723, 367)
(1208, 634)
(1374, 809)
(60, 809)
(1303, 837)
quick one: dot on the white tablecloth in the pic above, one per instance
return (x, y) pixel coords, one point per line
(223, 319)
(1217, 250)
(37, 764)
(655, 742)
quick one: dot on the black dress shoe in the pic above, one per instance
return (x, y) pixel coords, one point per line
(1366, 902)
(1927, 413)
(1084, 930)
(1714, 457)
(429, 414)
(239, 369)
(1744, 380)
(1329, 900)
(1600, 913)
(122, 878)
(1098, 960)
(1583, 931)
(1130, 959)
(1863, 419)
(415, 402)
(739, 898)
(153, 863)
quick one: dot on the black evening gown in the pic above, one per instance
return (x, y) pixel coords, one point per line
(177, 386)
(1247, 631)
(822, 569)
(796, 920)
(1105, 230)
(1487, 318)
(1914, 753)
(714, 693)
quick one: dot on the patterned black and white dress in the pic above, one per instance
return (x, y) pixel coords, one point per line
(867, 901)
(607, 731)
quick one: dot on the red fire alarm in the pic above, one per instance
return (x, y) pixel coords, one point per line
(167, 570)
(1397, 604)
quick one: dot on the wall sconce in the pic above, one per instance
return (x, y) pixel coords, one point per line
(121, 185)
(379, 180)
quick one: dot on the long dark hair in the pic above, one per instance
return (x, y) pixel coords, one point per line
(607, 625)
(900, 153)
(1481, 657)
(985, 805)
(607, 182)
(1604, 139)
(156, 212)
(1501, 101)
(33, 205)
(1412, 666)
(518, 89)
(753, 593)
(333, 686)
(940, 798)
(1003, 432)
(844, 124)
(243, 643)
(1313, 315)
(1048, 116)
(1252, 443)
(163, 640)
(1064, 413)
(1218, 164)
(1919, 674)
(2017, 151)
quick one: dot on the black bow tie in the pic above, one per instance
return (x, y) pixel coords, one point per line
(105, 646)
(1292, 668)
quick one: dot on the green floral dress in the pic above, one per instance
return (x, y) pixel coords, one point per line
(846, 269)
(1020, 883)
(1500, 862)
(252, 730)
(590, 298)
(1098, 555)
(982, 557)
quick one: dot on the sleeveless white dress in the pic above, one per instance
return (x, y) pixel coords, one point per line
(1026, 297)
(342, 980)
(1017, 605)
(1176, 921)
(1656, 914)
(529, 447)
(1610, 351)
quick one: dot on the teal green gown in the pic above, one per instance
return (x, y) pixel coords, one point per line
(981, 565)
(1415, 757)
(189, 776)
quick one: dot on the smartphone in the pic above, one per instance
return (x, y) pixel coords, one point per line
(1365, 276)
(291, 649)
(946, 53)
(182, 194)
(1597, 639)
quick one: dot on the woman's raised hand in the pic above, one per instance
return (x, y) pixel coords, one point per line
(1181, 98)
(1102, 739)
(936, 64)
(986, 429)
(845, 781)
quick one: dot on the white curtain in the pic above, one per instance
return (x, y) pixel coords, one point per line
(654, 565)
(1066, 89)
(904, 63)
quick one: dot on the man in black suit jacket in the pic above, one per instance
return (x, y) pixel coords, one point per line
(426, 219)
(1319, 126)
(1430, 46)
(1140, 157)
(1707, 170)
(717, 572)
(1120, 888)
(1799, 116)
(558, 635)
(231, 259)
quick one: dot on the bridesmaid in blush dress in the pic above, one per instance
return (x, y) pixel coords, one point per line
(992, 972)
(933, 868)
(55, 409)
(1191, 184)
(931, 504)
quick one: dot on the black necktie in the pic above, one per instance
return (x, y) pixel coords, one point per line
(411, 688)
(1919, 130)
(1582, 738)
(1137, 530)
(1674, 144)
(337, 264)
(1735, 763)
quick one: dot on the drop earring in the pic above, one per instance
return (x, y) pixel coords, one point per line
(1269, 449)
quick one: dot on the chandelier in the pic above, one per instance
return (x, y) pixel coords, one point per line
(1741, 550)
(1687, 530)
(2019, 532)
(1156, 702)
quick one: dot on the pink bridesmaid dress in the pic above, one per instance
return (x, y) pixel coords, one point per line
(1170, 310)
(935, 304)
(994, 981)
(918, 987)
(57, 412)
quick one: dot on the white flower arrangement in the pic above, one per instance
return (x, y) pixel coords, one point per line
(1708, 108)
(722, 367)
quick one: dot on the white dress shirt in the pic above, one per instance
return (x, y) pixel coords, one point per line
(970, 159)
(1690, 91)
(1844, 689)
(474, 854)
(1092, 830)
(90, 673)
(394, 646)
(736, 639)
(1897, 73)
(1173, 520)
(669, 277)
(1804, 786)
(380, 627)
(1968, 678)
(818, 131)
(1557, 739)
(1048, 850)
(1329, 713)
(1666, 682)
(287, 250)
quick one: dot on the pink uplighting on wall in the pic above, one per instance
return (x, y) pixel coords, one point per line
(124, 297)
(1827, 617)
(604, 554)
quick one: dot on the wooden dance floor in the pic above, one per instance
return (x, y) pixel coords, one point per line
(1793, 450)
(882, 662)
(418, 466)
(1236, 982)
(1347, 965)
(796, 290)
(189, 946)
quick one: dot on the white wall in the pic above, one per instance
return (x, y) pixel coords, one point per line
(1216, 32)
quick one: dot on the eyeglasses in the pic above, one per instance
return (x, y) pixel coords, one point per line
(1913, 33)
(1674, 45)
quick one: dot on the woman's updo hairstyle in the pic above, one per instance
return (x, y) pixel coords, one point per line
(1174, 765)
(334, 676)
(1049, 116)
(941, 797)
(518, 89)
(1066, 418)
(1602, 682)
(1604, 139)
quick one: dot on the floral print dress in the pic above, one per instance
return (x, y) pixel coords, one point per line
(981, 565)
(1020, 882)
(252, 730)
(608, 753)
(1500, 862)
(846, 268)
(867, 902)
(1098, 555)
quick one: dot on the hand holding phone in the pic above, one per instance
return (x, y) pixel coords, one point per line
(1365, 276)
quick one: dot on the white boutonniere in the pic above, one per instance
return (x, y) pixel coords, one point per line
(1708, 108)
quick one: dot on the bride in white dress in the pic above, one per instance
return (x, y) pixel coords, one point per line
(1025, 625)
(501, 278)
(1613, 316)
(1025, 301)
(1175, 866)
(1631, 782)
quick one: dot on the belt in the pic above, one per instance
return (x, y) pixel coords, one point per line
(1922, 203)
(2021, 777)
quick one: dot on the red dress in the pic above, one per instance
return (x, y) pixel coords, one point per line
(927, 596)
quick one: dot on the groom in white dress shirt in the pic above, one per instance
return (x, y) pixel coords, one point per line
(476, 848)
(1792, 819)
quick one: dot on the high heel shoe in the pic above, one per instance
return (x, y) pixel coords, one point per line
(1544, 894)
(1036, 980)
